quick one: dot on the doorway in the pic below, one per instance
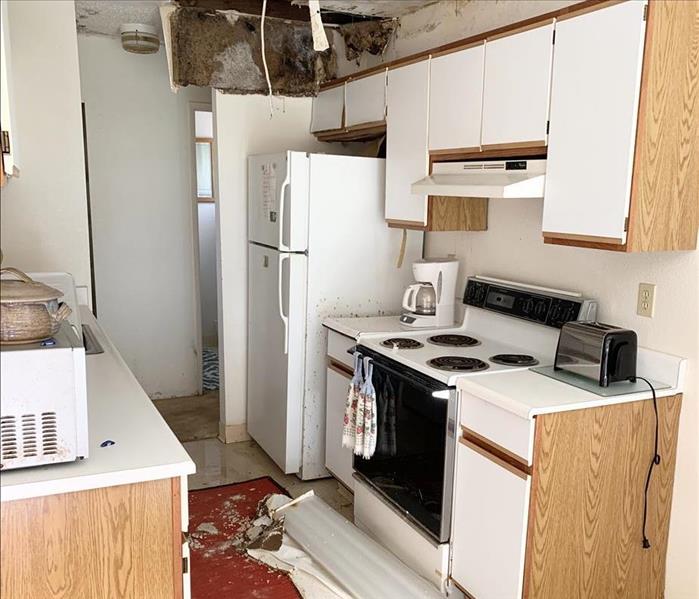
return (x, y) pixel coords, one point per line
(206, 244)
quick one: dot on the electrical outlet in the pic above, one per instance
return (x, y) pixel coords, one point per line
(646, 299)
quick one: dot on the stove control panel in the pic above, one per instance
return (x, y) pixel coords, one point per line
(536, 305)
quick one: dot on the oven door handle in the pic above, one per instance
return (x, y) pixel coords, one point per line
(436, 391)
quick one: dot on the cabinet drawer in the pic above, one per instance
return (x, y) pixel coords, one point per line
(338, 346)
(498, 427)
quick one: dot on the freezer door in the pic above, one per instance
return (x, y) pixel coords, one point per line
(278, 200)
(276, 354)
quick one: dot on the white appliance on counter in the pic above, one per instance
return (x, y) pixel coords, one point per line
(318, 246)
(43, 392)
(430, 301)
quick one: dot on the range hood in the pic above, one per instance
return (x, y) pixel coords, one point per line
(485, 179)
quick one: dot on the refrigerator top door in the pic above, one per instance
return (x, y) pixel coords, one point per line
(278, 200)
(276, 356)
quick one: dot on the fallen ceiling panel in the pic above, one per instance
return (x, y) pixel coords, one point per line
(223, 50)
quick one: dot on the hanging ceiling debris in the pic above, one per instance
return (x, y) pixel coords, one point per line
(217, 43)
(223, 50)
(369, 36)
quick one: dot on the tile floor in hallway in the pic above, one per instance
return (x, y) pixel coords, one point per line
(220, 464)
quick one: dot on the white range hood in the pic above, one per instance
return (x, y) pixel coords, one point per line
(486, 179)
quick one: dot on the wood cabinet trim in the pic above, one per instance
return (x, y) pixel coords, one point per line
(486, 453)
(459, 154)
(588, 238)
(518, 145)
(406, 224)
(340, 368)
(363, 131)
(587, 9)
(439, 53)
(529, 27)
(613, 247)
(176, 537)
(469, 41)
(454, 151)
(494, 448)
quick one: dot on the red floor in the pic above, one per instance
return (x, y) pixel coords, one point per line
(218, 569)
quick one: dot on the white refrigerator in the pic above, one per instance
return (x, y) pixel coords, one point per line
(318, 246)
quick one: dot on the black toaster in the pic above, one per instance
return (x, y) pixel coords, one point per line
(602, 352)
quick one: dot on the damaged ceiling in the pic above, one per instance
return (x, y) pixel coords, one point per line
(217, 43)
(372, 8)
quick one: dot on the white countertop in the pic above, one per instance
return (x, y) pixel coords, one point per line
(356, 326)
(527, 393)
(118, 409)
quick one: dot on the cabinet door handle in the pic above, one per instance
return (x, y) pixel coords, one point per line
(493, 458)
(340, 368)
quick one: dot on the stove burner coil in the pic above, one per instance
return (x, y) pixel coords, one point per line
(457, 364)
(402, 343)
(514, 360)
(453, 340)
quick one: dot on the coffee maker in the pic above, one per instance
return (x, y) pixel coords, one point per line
(430, 301)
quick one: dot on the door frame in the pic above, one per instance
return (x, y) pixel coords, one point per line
(198, 344)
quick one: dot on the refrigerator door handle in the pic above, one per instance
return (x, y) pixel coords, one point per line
(285, 319)
(282, 200)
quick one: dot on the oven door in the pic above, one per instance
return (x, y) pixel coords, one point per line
(413, 463)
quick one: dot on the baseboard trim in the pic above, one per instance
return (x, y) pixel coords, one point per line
(233, 433)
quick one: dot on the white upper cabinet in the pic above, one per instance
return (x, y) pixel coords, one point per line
(7, 114)
(328, 107)
(365, 100)
(456, 99)
(516, 87)
(406, 142)
(594, 109)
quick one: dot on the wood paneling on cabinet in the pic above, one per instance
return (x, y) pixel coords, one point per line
(663, 210)
(446, 213)
(106, 543)
(586, 507)
(665, 194)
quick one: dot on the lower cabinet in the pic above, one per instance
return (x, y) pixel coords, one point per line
(338, 459)
(570, 523)
(490, 525)
(120, 541)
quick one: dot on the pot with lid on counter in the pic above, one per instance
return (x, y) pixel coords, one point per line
(29, 311)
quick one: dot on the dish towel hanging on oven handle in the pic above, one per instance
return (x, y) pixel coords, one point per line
(349, 425)
(365, 441)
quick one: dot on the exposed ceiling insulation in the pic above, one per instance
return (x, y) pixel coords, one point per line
(372, 8)
(105, 17)
(223, 50)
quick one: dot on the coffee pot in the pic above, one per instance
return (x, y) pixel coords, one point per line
(430, 301)
(420, 298)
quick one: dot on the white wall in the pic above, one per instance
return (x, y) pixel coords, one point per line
(207, 273)
(143, 210)
(242, 126)
(445, 22)
(43, 212)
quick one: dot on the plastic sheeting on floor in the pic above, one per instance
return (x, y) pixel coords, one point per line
(320, 544)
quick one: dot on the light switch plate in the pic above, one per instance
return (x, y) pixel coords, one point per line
(646, 300)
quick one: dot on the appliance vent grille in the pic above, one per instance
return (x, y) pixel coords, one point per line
(49, 433)
(8, 437)
(29, 447)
